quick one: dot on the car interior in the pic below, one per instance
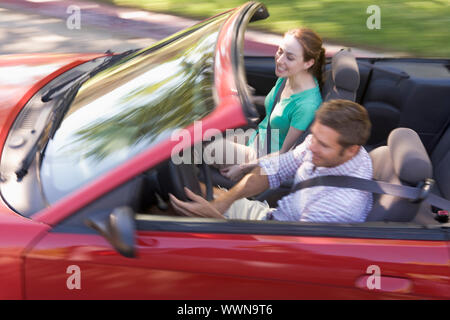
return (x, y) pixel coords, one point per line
(405, 98)
(407, 101)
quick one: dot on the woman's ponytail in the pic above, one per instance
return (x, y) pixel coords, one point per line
(317, 68)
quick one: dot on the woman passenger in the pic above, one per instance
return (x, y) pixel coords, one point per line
(298, 61)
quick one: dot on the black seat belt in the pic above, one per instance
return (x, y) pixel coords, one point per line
(269, 134)
(415, 194)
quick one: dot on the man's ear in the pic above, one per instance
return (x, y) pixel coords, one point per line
(352, 150)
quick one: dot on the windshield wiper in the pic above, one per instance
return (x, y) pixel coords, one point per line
(60, 89)
(67, 91)
(51, 93)
(56, 118)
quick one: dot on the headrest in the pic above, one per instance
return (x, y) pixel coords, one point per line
(410, 159)
(345, 71)
(334, 93)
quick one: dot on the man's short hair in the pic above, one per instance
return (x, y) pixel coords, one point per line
(348, 118)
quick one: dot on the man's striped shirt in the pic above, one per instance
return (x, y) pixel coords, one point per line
(319, 204)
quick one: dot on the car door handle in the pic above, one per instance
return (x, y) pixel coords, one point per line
(384, 284)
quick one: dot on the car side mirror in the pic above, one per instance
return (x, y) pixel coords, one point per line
(118, 228)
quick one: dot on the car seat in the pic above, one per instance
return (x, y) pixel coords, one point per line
(403, 161)
(342, 80)
(440, 158)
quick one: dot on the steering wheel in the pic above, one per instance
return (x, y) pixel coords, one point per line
(185, 175)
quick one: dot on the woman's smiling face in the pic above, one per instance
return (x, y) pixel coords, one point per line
(289, 58)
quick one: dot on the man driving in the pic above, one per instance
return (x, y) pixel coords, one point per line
(334, 147)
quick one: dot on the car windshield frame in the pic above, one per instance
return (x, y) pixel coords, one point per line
(228, 113)
(75, 156)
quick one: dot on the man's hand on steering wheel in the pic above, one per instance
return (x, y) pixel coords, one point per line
(198, 207)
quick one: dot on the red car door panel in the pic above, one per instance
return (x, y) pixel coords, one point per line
(189, 265)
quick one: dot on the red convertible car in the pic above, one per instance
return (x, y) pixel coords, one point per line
(86, 170)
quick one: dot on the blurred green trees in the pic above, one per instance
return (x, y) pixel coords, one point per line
(419, 28)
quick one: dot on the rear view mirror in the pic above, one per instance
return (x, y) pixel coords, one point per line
(118, 228)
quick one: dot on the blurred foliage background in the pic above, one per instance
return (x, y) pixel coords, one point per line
(419, 28)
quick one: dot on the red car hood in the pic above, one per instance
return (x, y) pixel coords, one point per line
(22, 72)
(21, 76)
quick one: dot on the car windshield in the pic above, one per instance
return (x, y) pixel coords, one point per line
(131, 106)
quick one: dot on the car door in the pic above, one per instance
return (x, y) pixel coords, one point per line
(270, 260)
(187, 258)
